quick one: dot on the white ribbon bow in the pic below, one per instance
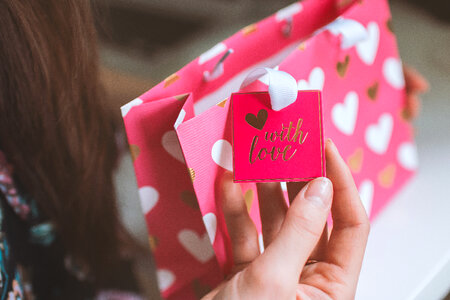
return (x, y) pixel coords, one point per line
(282, 86)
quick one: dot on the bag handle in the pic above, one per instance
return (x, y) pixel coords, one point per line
(282, 86)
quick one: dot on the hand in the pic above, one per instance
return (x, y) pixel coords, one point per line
(291, 237)
(415, 84)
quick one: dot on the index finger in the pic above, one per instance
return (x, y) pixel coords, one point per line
(320, 250)
(350, 222)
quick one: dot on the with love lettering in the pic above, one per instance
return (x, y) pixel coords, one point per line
(285, 145)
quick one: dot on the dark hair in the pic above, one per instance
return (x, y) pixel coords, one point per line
(54, 128)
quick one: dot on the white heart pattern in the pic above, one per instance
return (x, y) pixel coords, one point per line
(210, 222)
(261, 243)
(315, 81)
(171, 144)
(368, 48)
(288, 11)
(149, 197)
(393, 72)
(222, 154)
(180, 118)
(127, 107)
(407, 156)
(211, 53)
(344, 115)
(198, 246)
(366, 195)
(165, 279)
(352, 31)
(379, 135)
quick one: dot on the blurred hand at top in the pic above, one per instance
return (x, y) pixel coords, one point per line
(415, 85)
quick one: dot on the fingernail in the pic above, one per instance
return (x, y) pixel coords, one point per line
(319, 192)
(331, 143)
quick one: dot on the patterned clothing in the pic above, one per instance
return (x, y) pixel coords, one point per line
(11, 286)
(33, 264)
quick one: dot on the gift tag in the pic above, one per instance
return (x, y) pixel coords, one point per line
(284, 145)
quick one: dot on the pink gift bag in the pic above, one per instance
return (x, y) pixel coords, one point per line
(180, 131)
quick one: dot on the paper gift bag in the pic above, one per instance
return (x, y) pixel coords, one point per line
(180, 132)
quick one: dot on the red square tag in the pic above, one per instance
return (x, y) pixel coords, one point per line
(285, 145)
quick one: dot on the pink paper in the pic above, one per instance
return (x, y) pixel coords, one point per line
(284, 145)
(180, 131)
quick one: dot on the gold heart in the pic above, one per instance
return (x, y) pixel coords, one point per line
(170, 80)
(372, 91)
(389, 25)
(222, 103)
(341, 67)
(200, 289)
(248, 197)
(249, 29)
(181, 97)
(343, 3)
(355, 160)
(189, 199)
(386, 176)
(153, 241)
(258, 121)
(192, 174)
(134, 151)
(302, 46)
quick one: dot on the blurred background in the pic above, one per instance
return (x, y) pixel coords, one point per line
(408, 255)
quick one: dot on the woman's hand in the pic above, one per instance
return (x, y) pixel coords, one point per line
(295, 265)
(415, 84)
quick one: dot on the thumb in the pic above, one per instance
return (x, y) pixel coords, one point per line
(301, 230)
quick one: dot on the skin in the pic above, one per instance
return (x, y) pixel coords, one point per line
(297, 234)
(291, 236)
(415, 84)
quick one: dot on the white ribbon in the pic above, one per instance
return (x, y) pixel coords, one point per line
(282, 86)
(352, 32)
